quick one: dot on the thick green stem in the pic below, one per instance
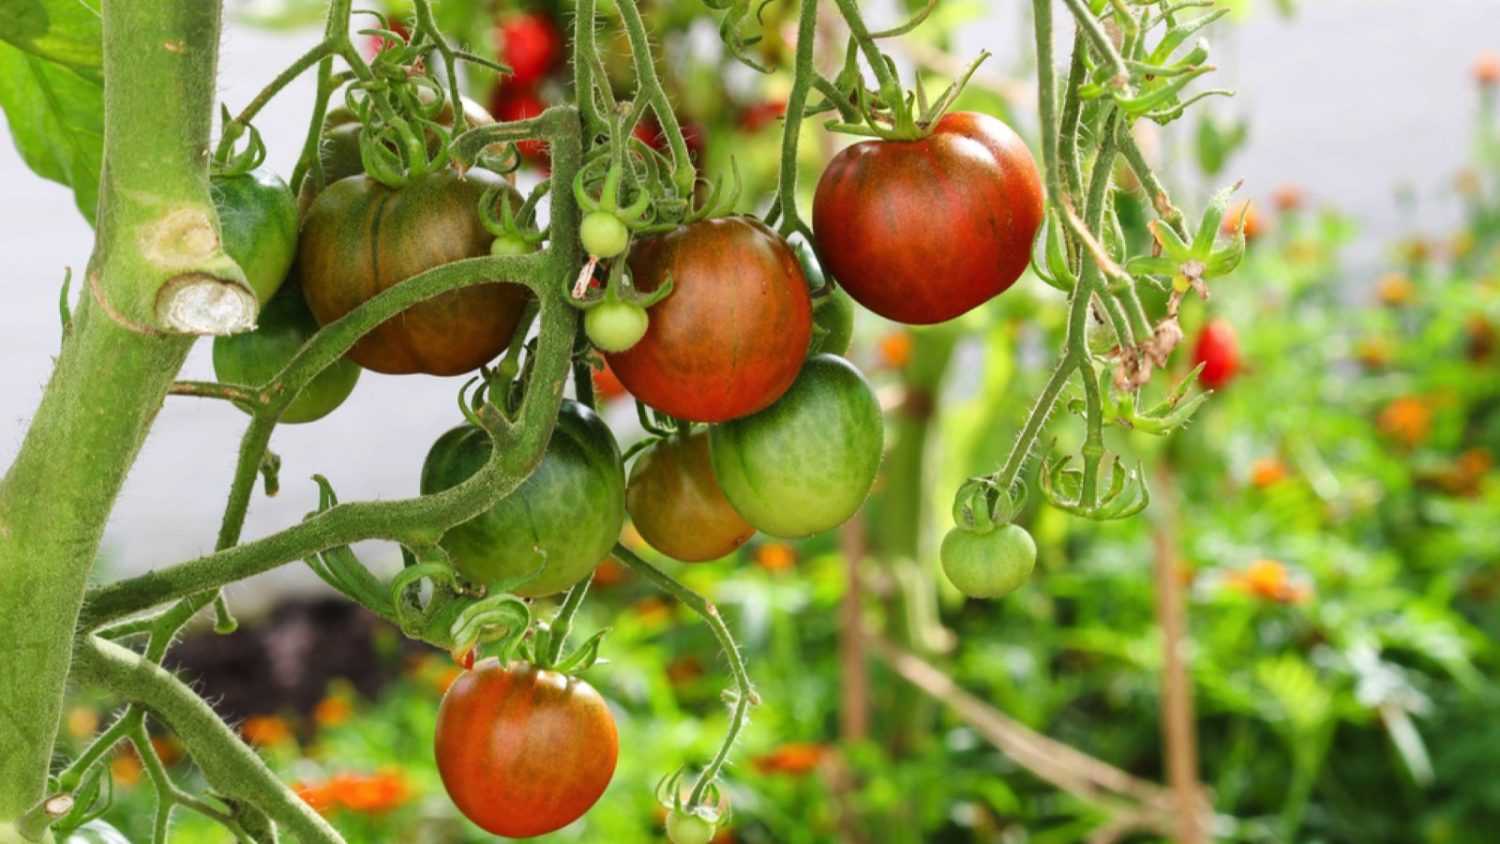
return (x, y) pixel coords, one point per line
(648, 85)
(796, 104)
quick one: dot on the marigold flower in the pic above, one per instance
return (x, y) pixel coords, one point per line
(1408, 420)
(1288, 197)
(1395, 289)
(1254, 225)
(1487, 69)
(266, 730)
(775, 556)
(895, 350)
(1267, 471)
(333, 711)
(794, 759)
(1269, 580)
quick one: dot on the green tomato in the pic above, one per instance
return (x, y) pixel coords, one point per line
(686, 828)
(255, 357)
(554, 528)
(616, 326)
(258, 224)
(806, 463)
(510, 245)
(97, 832)
(988, 564)
(833, 324)
(604, 235)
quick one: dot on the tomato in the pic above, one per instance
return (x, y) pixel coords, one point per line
(518, 102)
(607, 385)
(339, 150)
(833, 314)
(988, 564)
(650, 131)
(686, 828)
(762, 114)
(806, 463)
(922, 231)
(523, 752)
(558, 524)
(677, 505)
(96, 832)
(256, 357)
(731, 337)
(258, 227)
(531, 44)
(616, 326)
(1218, 349)
(603, 234)
(361, 237)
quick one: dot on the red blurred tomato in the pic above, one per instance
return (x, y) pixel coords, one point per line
(1218, 349)
(517, 102)
(531, 44)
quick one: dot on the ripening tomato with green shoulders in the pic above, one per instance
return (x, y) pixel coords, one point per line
(282, 329)
(676, 504)
(257, 227)
(731, 336)
(924, 230)
(806, 463)
(361, 237)
(523, 751)
(554, 528)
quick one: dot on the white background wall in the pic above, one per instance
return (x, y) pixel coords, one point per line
(1350, 100)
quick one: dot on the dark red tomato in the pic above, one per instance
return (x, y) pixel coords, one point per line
(523, 752)
(731, 337)
(1218, 349)
(361, 237)
(531, 44)
(677, 505)
(922, 231)
(517, 102)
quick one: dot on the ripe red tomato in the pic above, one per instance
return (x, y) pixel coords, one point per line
(762, 114)
(518, 102)
(677, 505)
(531, 44)
(361, 237)
(731, 337)
(649, 131)
(922, 231)
(607, 385)
(524, 752)
(1218, 349)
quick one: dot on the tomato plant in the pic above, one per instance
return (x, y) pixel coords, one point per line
(1218, 351)
(522, 751)
(254, 358)
(360, 237)
(258, 226)
(990, 563)
(806, 463)
(677, 505)
(921, 231)
(556, 526)
(730, 338)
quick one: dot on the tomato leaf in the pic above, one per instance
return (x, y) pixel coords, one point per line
(68, 32)
(56, 117)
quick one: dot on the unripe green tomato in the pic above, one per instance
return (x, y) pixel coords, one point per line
(686, 828)
(258, 227)
(833, 318)
(988, 564)
(603, 235)
(96, 832)
(510, 245)
(253, 358)
(616, 326)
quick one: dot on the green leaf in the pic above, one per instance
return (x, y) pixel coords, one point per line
(56, 117)
(68, 32)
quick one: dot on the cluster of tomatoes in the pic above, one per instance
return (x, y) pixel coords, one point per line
(736, 351)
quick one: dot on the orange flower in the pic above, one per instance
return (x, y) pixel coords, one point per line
(775, 556)
(1288, 197)
(795, 759)
(167, 748)
(610, 573)
(370, 793)
(1487, 69)
(1267, 471)
(125, 768)
(1395, 289)
(317, 796)
(1269, 581)
(684, 670)
(333, 711)
(266, 730)
(895, 350)
(1254, 225)
(82, 722)
(1408, 420)
(653, 610)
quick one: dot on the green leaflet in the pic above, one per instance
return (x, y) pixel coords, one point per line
(55, 112)
(67, 32)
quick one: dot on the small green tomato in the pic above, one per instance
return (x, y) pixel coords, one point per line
(687, 828)
(603, 235)
(510, 245)
(616, 326)
(988, 564)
